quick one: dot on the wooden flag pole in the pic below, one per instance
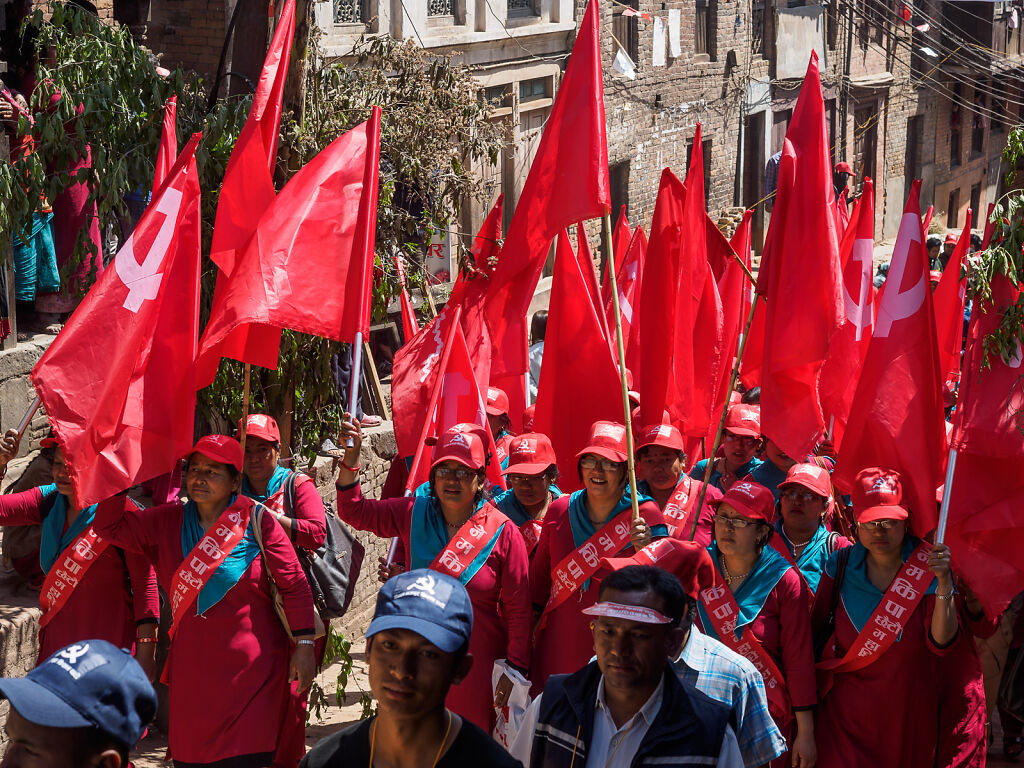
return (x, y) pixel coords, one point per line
(245, 406)
(940, 531)
(721, 421)
(613, 284)
(27, 418)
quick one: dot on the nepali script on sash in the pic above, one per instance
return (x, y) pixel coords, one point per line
(677, 510)
(582, 563)
(467, 550)
(68, 572)
(531, 533)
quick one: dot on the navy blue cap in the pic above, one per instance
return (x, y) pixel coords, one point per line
(428, 603)
(87, 684)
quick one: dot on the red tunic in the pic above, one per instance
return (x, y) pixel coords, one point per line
(498, 591)
(228, 668)
(116, 593)
(565, 643)
(885, 715)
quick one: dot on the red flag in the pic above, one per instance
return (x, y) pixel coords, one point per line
(168, 144)
(567, 183)
(621, 238)
(896, 419)
(410, 325)
(454, 399)
(735, 290)
(842, 212)
(849, 345)
(118, 383)
(990, 227)
(248, 188)
(927, 218)
(949, 298)
(800, 278)
(629, 281)
(585, 257)
(309, 265)
(720, 253)
(986, 526)
(579, 381)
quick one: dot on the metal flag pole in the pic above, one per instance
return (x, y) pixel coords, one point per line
(27, 418)
(940, 531)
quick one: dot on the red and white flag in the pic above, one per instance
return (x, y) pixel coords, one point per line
(168, 150)
(410, 325)
(622, 235)
(950, 297)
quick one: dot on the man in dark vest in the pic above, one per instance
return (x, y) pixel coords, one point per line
(629, 708)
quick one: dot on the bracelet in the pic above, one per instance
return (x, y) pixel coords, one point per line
(145, 639)
(304, 642)
(356, 468)
(949, 596)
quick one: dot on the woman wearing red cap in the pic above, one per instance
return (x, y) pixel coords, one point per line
(892, 614)
(230, 661)
(660, 460)
(449, 526)
(292, 498)
(499, 422)
(112, 596)
(578, 531)
(531, 473)
(759, 608)
(740, 442)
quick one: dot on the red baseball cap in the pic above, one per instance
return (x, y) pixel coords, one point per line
(664, 435)
(688, 561)
(261, 426)
(843, 167)
(607, 439)
(934, 276)
(809, 476)
(220, 448)
(950, 239)
(743, 420)
(528, 415)
(878, 495)
(497, 402)
(750, 499)
(529, 454)
(463, 443)
(49, 442)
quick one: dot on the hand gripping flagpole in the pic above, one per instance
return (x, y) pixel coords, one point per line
(613, 284)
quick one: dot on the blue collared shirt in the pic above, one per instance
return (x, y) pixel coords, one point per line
(725, 676)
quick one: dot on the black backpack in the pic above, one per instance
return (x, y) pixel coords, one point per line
(333, 569)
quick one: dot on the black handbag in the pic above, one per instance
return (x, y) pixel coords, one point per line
(333, 569)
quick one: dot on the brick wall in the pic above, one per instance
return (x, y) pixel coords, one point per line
(189, 33)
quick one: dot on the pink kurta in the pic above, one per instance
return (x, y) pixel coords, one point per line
(564, 642)
(498, 591)
(228, 668)
(116, 593)
(885, 715)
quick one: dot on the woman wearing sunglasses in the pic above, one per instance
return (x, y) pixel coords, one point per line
(758, 607)
(450, 526)
(886, 605)
(580, 529)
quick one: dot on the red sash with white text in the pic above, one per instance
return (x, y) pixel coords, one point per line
(678, 508)
(463, 548)
(68, 572)
(531, 534)
(582, 563)
(199, 565)
(723, 610)
(896, 606)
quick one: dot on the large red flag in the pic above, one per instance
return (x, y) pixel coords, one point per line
(986, 518)
(168, 150)
(567, 183)
(410, 325)
(309, 266)
(629, 281)
(849, 345)
(949, 299)
(621, 238)
(454, 399)
(800, 277)
(896, 419)
(579, 381)
(118, 383)
(585, 257)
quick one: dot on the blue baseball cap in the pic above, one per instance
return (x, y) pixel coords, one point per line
(84, 685)
(428, 603)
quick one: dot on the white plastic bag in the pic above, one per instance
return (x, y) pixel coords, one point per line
(510, 716)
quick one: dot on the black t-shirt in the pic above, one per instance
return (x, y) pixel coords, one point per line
(351, 747)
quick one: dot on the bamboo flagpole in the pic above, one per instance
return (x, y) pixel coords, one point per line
(245, 406)
(27, 418)
(613, 284)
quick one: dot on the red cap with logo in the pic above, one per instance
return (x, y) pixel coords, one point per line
(497, 402)
(950, 239)
(261, 426)
(664, 435)
(843, 167)
(529, 454)
(750, 499)
(878, 495)
(464, 443)
(743, 420)
(220, 448)
(809, 476)
(688, 561)
(528, 415)
(607, 439)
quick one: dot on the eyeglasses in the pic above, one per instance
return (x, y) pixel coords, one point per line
(742, 439)
(734, 522)
(462, 474)
(525, 479)
(593, 462)
(805, 496)
(875, 525)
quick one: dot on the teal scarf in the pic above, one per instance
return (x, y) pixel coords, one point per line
(812, 560)
(53, 539)
(751, 594)
(273, 485)
(513, 509)
(231, 568)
